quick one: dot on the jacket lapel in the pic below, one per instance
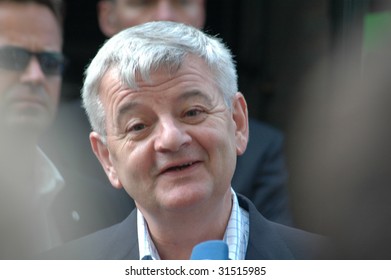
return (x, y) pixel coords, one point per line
(125, 240)
(264, 239)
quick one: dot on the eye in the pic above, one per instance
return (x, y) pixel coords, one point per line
(193, 113)
(137, 127)
(136, 131)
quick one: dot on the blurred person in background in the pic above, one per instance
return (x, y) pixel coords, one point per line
(38, 209)
(261, 173)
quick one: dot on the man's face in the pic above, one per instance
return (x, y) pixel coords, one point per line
(28, 96)
(117, 15)
(171, 144)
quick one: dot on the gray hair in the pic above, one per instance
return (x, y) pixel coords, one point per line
(140, 50)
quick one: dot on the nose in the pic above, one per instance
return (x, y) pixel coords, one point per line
(33, 73)
(171, 137)
(165, 10)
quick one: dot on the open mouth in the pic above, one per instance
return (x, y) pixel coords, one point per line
(179, 167)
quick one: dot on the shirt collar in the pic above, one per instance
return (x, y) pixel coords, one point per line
(237, 231)
(48, 180)
(147, 249)
(48, 183)
(236, 234)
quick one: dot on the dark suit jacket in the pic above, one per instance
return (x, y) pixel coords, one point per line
(84, 206)
(260, 173)
(267, 240)
(81, 207)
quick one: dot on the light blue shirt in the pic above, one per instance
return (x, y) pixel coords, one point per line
(236, 234)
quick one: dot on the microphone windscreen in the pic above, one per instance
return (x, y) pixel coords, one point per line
(210, 250)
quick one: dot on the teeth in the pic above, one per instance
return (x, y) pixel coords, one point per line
(183, 166)
(177, 168)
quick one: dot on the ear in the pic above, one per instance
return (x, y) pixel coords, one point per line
(103, 154)
(107, 18)
(240, 117)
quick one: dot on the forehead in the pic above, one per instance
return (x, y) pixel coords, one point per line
(192, 75)
(29, 25)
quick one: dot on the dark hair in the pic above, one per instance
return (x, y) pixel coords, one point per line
(56, 6)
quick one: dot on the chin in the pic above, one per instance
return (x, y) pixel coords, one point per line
(185, 197)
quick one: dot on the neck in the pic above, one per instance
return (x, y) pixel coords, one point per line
(175, 235)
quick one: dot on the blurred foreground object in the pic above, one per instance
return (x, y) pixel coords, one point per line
(340, 151)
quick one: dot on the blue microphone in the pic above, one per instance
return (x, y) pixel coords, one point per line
(210, 250)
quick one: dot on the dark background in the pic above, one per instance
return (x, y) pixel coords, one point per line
(274, 43)
(277, 45)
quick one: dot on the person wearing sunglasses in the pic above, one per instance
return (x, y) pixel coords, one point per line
(17, 58)
(38, 209)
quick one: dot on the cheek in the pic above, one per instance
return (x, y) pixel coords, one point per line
(135, 176)
(7, 79)
(134, 164)
(130, 17)
(54, 89)
(222, 158)
(219, 144)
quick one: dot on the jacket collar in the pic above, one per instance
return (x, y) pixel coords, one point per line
(264, 240)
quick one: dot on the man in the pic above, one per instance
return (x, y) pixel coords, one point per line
(37, 210)
(168, 125)
(260, 174)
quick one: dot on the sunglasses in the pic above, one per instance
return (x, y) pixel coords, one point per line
(17, 59)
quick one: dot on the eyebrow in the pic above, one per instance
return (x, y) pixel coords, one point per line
(123, 109)
(126, 107)
(195, 94)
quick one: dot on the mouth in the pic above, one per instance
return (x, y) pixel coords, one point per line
(27, 101)
(179, 167)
